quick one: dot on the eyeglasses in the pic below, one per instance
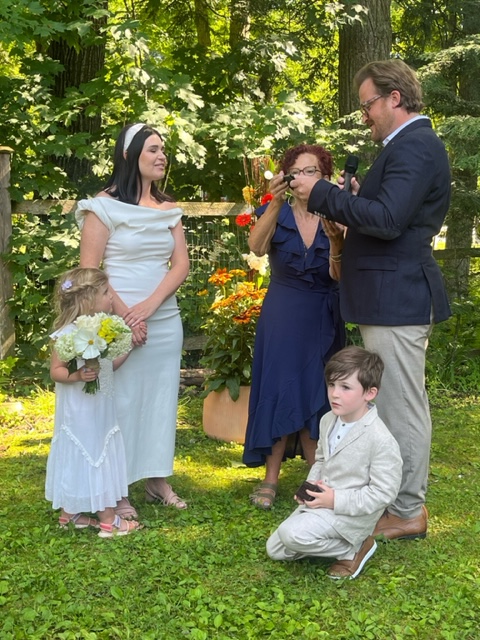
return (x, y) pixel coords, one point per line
(307, 171)
(367, 105)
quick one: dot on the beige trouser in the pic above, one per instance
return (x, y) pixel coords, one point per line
(307, 533)
(403, 405)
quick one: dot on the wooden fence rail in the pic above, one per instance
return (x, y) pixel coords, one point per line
(43, 207)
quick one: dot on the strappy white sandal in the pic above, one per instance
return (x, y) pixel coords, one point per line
(64, 522)
(115, 529)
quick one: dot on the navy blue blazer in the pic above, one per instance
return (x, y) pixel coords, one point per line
(389, 276)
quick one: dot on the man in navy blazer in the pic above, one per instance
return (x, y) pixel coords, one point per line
(390, 283)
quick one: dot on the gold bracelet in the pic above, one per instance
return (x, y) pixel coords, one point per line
(336, 258)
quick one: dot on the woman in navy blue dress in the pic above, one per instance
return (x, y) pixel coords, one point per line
(299, 327)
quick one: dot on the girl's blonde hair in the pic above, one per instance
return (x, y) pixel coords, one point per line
(75, 294)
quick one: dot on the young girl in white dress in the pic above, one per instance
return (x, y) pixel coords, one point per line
(86, 468)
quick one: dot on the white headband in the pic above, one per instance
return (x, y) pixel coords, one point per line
(131, 133)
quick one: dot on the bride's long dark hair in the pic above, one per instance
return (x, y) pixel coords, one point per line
(125, 181)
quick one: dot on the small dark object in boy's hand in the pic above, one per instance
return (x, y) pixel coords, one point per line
(302, 494)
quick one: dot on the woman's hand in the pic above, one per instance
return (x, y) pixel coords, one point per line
(334, 231)
(336, 235)
(262, 231)
(278, 187)
(139, 313)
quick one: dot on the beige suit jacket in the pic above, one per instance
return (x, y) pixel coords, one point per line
(365, 471)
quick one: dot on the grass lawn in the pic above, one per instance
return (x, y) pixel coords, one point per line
(204, 574)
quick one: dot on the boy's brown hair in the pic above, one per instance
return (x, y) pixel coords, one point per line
(367, 365)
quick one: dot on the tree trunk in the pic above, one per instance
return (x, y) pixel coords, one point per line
(360, 43)
(202, 23)
(80, 65)
(239, 21)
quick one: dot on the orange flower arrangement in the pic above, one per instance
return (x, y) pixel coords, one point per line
(232, 317)
(230, 329)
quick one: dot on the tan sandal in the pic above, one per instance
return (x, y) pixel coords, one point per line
(170, 499)
(64, 522)
(125, 510)
(119, 527)
(264, 495)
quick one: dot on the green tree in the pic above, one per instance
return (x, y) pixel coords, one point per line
(443, 40)
(366, 36)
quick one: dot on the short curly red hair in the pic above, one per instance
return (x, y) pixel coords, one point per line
(324, 157)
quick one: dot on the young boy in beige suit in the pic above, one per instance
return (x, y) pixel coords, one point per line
(357, 473)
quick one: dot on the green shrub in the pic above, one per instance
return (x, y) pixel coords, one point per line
(453, 355)
(42, 247)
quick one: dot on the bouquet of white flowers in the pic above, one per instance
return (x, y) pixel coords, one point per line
(98, 336)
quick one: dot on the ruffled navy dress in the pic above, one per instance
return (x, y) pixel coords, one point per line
(298, 330)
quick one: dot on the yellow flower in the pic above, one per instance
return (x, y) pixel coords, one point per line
(248, 194)
(106, 331)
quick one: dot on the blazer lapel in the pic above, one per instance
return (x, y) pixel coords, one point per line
(354, 433)
(385, 151)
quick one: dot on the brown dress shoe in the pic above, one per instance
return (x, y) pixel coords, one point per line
(396, 528)
(351, 568)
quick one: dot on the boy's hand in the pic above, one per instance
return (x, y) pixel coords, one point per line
(323, 499)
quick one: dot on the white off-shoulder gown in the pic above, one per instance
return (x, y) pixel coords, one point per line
(136, 260)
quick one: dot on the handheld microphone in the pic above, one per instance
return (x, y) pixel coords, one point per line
(351, 166)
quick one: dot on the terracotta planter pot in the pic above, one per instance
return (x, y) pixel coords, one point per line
(225, 419)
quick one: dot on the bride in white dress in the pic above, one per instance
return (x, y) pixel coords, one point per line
(136, 232)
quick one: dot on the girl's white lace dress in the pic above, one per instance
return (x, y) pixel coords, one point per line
(86, 467)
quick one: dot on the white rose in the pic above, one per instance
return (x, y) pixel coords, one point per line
(89, 323)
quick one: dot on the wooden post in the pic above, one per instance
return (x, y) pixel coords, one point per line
(7, 331)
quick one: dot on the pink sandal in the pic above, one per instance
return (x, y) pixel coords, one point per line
(115, 529)
(64, 522)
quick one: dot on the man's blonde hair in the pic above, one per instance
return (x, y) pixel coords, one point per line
(393, 75)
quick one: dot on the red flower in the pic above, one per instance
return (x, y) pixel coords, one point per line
(266, 198)
(243, 219)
